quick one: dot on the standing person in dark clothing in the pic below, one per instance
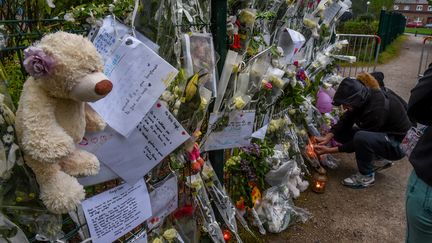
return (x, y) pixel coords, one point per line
(419, 189)
(372, 126)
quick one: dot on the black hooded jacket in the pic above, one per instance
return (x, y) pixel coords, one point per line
(372, 111)
(420, 109)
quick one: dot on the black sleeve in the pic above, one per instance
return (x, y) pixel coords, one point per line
(344, 124)
(420, 102)
(347, 147)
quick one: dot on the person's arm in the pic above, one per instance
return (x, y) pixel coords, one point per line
(320, 149)
(346, 121)
(420, 102)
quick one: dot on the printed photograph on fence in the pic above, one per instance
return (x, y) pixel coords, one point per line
(199, 57)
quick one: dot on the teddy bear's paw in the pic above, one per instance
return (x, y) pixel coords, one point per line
(81, 163)
(94, 122)
(96, 126)
(62, 193)
(50, 151)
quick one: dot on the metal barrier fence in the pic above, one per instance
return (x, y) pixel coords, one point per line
(365, 48)
(426, 55)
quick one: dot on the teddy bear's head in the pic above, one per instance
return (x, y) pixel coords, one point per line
(67, 66)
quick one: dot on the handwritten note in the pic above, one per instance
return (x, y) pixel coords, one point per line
(156, 136)
(163, 200)
(91, 142)
(236, 134)
(331, 12)
(110, 34)
(113, 213)
(139, 77)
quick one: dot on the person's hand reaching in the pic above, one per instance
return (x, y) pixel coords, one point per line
(324, 140)
(321, 149)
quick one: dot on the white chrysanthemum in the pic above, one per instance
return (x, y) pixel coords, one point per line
(10, 129)
(7, 138)
(69, 17)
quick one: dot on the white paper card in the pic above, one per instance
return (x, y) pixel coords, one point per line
(91, 142)
(156, 136)
(139, 77)
(109, 35)
(260, 133)
(236, 134)
(331, 12)
(163, 200)
(290, 41)
(113, 213)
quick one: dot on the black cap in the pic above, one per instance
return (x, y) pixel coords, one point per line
(351, 92)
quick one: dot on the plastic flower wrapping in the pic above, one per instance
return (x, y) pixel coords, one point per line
(202, 202)
(220, 198)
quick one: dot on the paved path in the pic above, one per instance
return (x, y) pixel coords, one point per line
(376, 214)
(401, 73)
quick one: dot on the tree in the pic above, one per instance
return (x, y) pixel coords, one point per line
(376, 6)
(359, 7)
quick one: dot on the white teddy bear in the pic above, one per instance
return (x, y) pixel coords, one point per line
(66, 72)
(295, 183)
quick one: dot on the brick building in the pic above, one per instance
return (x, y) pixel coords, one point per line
(414, 10)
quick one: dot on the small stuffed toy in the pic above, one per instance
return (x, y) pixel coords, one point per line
(195, 158)
(295, 183)
(65, 73)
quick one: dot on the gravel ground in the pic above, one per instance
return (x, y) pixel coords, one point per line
(375, 214)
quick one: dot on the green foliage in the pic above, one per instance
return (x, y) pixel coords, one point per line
(247, 161)
(393, 50)
(86, 13)
(14, 78)
(292, 96)
(359, 27)
(419, 31)
(266, 15)
(366, 18)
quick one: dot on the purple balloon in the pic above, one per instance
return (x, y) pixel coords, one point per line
(324, 102)
(330, 91)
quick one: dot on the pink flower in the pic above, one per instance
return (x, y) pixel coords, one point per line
(37, 63)
(268, 86)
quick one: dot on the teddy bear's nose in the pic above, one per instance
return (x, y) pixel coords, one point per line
(103, 87)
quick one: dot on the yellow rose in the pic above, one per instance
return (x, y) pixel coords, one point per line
(170, 234)
(278, 82)
(239, 103)
(203, 104)
(157, 240)
(247, 17)
(309, 23)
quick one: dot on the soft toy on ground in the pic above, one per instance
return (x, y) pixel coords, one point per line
(66, 72)
(295, 183)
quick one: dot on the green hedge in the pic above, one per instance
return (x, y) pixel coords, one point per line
(359, 27)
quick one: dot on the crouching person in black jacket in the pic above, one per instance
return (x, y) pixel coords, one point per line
(372, 126)
(419, 189)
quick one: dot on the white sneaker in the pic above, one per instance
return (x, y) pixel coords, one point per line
(359, 181)
(381, 164)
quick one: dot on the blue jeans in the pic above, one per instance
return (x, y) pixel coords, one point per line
(418, 210)
(369, 146)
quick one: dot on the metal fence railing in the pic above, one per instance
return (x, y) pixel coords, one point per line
(391, 25)
(365, 48)
(426, 55)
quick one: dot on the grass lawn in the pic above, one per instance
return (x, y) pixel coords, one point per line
(393, 50)
(421, 31)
